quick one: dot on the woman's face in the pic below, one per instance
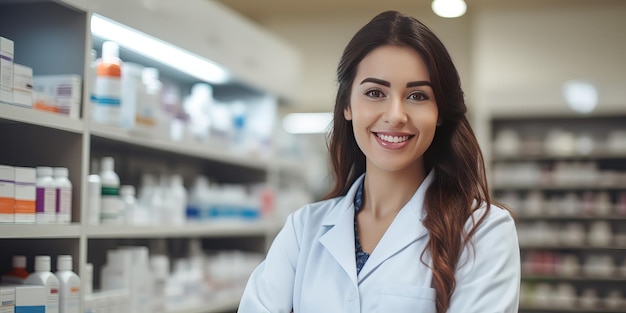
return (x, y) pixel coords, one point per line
(393, 109)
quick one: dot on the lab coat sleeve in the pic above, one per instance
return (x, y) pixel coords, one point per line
(488, 278)
(270, 287)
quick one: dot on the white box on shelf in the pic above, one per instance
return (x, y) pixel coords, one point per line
(7, 194)
(58, 93)
(22, 85)
(25, 194)
(6, 70)
(7, 299)
(30, 298)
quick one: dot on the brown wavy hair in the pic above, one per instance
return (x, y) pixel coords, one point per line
(460, 184)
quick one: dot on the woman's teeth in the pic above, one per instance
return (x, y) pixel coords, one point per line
(394, 139)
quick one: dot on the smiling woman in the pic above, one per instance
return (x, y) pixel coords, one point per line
(409, 225)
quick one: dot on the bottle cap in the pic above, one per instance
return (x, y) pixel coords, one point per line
(64, 263)
(110, 49)
(61, 172)
(42, 263)
(108, 164)
(19, 261)
(44, 171)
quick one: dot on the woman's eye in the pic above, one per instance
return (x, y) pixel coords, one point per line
(374, 93)
(418, 96)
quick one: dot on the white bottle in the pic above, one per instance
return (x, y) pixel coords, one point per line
(69, 286)
(111, 204)
(46, 196)
(43, 277)
(198, 107)
(132, 91)
(160, 265)
(94, 199)
(63, 195)
(134, 212)
(175, 201)
(148, 104)
(107, 92)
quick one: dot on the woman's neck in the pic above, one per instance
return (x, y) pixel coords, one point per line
(385, 193)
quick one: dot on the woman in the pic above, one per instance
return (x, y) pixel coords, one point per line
(409, 225)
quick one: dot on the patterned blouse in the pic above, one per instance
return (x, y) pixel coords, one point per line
(361, 256)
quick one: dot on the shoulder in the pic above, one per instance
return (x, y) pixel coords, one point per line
(491, 215)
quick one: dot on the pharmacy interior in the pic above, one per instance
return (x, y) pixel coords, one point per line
(148, 163)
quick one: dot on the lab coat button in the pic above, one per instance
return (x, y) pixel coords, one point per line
(351, 295)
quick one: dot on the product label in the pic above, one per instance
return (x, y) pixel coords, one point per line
(45, 200)
(107, 92)
(52, 302)
(6, 68)
(64, 205)
(71, 304)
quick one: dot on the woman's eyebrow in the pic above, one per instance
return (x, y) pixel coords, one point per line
(419, 83)
(376, 81)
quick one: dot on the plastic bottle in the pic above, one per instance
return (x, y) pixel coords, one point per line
(43, 277)
(198, 106)
(160, 265)
(94, 199)
(132, 93)
(198, 200)
(46, 196)
(175, 201)
(107, 92)
(148, 104)
(69, 286)
(111, 204)
(134, 212)
(18, 273)
(63, 195)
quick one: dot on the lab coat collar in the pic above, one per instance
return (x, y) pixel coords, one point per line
(405, 229)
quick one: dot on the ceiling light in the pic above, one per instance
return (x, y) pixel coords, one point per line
(158, 50)
(307, 123)
(449, 8)
(581, 96)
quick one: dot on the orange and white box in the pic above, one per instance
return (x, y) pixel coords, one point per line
(7, 194)
(25, 194)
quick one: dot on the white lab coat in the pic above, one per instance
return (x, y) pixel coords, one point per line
(311, 265)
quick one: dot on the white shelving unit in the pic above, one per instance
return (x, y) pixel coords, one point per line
(534, 170)
(53, 37)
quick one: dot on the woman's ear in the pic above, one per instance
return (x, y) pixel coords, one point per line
(347, 114)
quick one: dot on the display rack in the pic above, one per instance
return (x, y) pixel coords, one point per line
(566, 162)
(53, 37)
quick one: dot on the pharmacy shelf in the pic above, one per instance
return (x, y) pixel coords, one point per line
(11, 113)
(565, 247)
(595, 187)
(214, 229)
(573, 218)
(585, 278)
(543, 309)
(202, 151)
(38, 231)
(224, 304)
(566, 158)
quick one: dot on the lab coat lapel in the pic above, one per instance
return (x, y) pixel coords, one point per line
(405, 229)
(339, 239)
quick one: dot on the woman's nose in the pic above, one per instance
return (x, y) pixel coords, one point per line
(395, 113)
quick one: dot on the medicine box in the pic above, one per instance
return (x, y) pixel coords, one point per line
(22, 85)
(6, 70)
(58, 93)
(30, 299)
(25, 194)
(7, 299)
(7, 194)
